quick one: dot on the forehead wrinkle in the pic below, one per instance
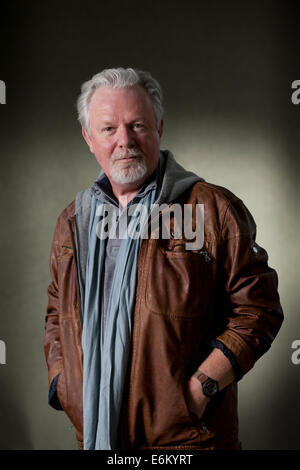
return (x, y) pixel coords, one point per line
(117, 107)
(106, 115)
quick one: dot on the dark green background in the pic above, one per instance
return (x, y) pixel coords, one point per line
(226, 69)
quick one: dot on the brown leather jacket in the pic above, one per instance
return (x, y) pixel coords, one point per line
(184, 300)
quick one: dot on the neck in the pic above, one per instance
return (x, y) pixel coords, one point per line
(125, 193)
(124, 199)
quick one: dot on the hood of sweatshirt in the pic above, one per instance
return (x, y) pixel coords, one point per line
(172, 181)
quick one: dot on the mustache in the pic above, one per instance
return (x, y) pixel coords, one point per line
(127, 154)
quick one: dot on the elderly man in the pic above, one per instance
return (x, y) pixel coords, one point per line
(147, 336)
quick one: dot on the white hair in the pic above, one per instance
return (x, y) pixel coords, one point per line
(119, 78)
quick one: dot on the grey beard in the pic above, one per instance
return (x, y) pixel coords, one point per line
(130, 172)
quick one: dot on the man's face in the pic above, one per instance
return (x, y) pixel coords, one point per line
(123, 134)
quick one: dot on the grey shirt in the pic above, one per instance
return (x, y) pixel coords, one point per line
(102, 190)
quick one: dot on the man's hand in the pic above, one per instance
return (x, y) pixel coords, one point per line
(216, 366)
(196, 400)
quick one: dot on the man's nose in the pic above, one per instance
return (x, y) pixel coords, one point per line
(125, 137)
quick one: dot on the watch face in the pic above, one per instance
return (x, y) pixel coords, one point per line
(210, 387)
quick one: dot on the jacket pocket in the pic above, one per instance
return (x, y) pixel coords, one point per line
(62, 390)
(197, 446)
(179, 281)
(206, 436)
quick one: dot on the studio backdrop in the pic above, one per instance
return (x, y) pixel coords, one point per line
(229, 73)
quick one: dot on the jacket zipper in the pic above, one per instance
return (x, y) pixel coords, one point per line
(76, 265)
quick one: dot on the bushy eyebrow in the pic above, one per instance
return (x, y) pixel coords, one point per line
(110, 123)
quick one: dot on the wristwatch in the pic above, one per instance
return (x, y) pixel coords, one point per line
(210, 387)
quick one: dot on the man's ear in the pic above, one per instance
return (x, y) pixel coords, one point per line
(87, 139)
(161, 127)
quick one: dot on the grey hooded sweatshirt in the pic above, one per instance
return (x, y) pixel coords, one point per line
(170, 178)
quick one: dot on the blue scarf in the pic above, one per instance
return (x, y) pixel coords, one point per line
(105, 357)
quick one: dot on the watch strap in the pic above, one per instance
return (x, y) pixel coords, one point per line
(210, 387)
(201, 376)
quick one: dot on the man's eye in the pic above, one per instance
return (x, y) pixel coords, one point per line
(138, 125)
(107, 129)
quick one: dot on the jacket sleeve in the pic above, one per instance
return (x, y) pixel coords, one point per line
(52, 345)
(254, 313)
